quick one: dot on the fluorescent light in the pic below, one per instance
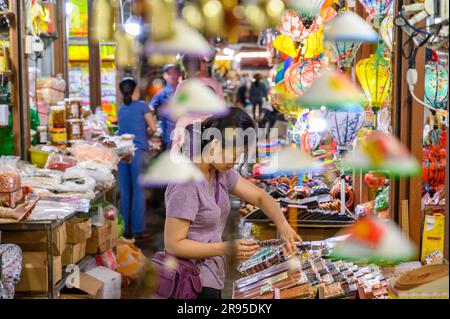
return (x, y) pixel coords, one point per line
(133, 26)
(69, 8)
(249, 55)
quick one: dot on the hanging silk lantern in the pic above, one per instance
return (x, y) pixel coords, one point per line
(387, 31)
(375, 78)
(284, 44)
(377, 9)
(126, 50)
(374, 180)
(344, 125)
(436, 84)
(162, 16)
(312, 46)
(307, 10)
(292, 26)
(300, 76)
(214, 16)
(103, 21)
(346, 33)
(284, 101)
(193, 16)
(281, 69)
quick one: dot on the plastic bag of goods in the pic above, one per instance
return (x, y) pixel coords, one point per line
(60, 162)
(108, 259)
(50, 89)
(130, 260)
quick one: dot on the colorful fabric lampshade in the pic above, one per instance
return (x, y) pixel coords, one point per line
(374, 180)
(377, 9)
(382, 152)
(194, 97)
(375, 77)
(284, 44)
(348, 26)
(300, 76)
(307, 10)
(185, 40)
(332, 90)
(374, 241)
(284, 101)
(387, 31)
(292, 26)
(344, 125)
(436, 84)
(346, 34)
(170, 167)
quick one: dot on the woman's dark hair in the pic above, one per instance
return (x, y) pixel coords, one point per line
(127, 87)
(236, 118)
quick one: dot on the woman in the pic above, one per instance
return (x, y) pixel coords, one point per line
(10, 269)
(258, 92)
(134, 118)
(196, 213)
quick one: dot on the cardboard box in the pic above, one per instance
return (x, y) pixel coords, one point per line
(112, 281)
(103, 238)
(100, 235)
(34, 275)
(36, 241)
(73, 253)
(78, 230)
(90, 288)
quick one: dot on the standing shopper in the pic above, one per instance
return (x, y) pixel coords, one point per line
(197, 212)
(258, 92)
(134, 118)
(171, 74)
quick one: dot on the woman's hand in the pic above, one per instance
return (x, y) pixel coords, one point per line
(290, 236)
(245, 248)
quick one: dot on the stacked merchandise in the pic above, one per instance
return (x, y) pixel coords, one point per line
(270, 274)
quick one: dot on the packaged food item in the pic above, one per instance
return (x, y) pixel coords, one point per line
(73, 107)
(60, 162)
(74, 129)
(58, 136)
(42, 135)
(58, 116)
(50, 89)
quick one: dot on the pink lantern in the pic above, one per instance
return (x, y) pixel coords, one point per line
(292, 26)
(300, 76)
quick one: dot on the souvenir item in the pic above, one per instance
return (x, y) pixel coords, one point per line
(436, 84)
(377, 9)
(300, 76)
(387, 31)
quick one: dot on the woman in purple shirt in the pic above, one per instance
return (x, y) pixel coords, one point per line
(196, 213)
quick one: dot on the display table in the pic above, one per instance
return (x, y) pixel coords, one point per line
(49, 226)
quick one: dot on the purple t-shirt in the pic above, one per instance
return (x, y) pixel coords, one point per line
(196, 202)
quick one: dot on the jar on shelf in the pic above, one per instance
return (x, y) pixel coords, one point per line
(58, 115)
(42, 135)
(58, 136)
(74, 129)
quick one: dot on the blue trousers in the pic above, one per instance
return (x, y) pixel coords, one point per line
(132, 198)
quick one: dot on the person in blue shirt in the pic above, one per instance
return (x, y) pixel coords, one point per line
(134, 117)
(171, 74)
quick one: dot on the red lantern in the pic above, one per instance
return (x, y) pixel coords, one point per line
(374, 180)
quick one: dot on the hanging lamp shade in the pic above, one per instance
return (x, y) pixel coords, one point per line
(300, 76)
(170, 167)
(436, 84)
(307, 10)
(332, 90)
(284, 44)
(387, 31)
(377, 9)
(185, 40)
(371, 240)
(346, 33)
(293, 27)
(344, 124)
(375, 78)
(284, 101)
(195, 97)
(383, 152)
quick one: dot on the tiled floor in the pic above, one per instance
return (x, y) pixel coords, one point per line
(155, 226)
